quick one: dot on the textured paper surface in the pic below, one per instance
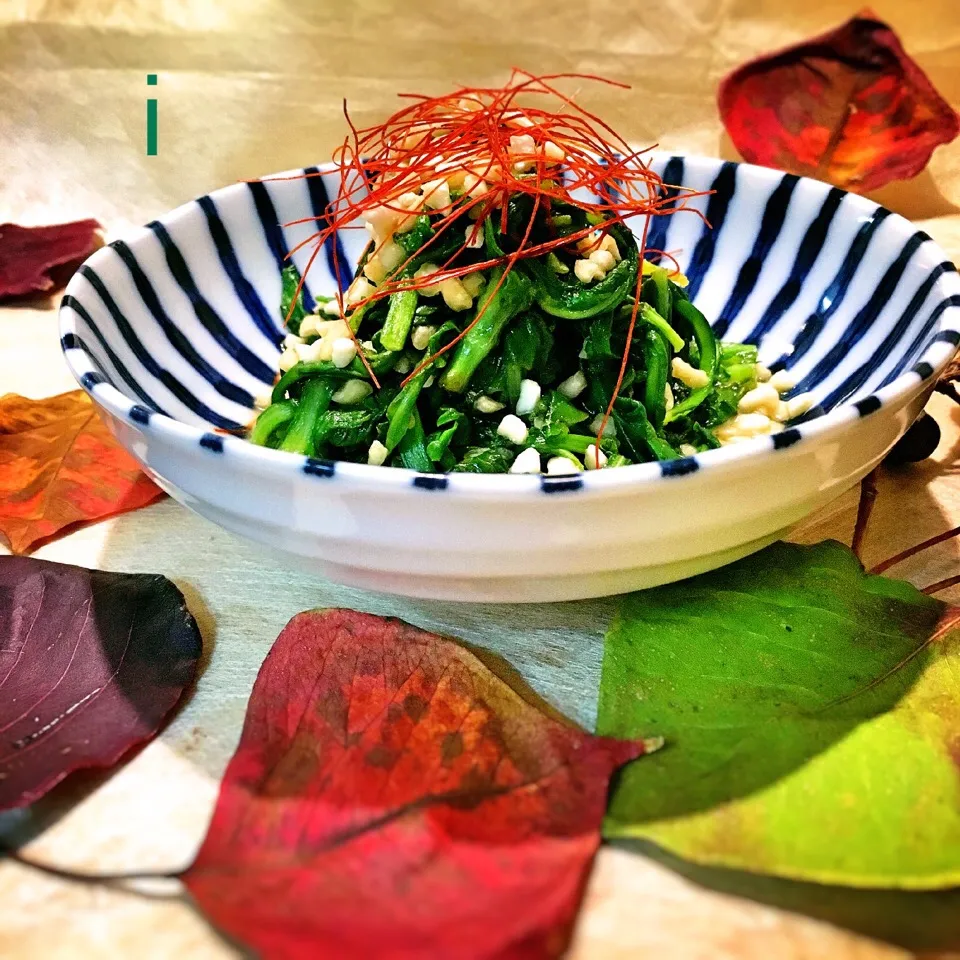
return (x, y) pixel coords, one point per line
(248, 87)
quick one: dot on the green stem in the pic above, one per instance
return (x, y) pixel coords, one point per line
(413, 448)
(661, 284)
(571, 442)
(708, 351)
(273, 417)
(496, 308)
(396, 328)
(653, 319)
(740, 372)
(402, 409)
(316, 399)
(356, 371)
(657, 360)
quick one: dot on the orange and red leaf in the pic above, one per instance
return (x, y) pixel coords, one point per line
(850, 107)
(391, 797)
(61, 466)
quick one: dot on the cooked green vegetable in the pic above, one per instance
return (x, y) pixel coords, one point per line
(413, 449)
(289, 280)
(506, 294)
(503, 316)
(403, 306)
(402, 409)
(301, 437)
(654, 319)
(271, 420)
(656, 359)
(564, 295)
(640, 437)
(706, 344)
(474, 366)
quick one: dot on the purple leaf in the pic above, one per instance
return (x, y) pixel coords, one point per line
(39, 259)
(90, 665)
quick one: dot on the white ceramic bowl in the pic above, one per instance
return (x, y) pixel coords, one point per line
(174, 329)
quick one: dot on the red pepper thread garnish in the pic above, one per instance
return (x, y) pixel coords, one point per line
(467, 133)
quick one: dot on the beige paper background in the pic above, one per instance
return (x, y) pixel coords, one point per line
(248, 87)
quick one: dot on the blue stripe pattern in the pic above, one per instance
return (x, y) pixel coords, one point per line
(673, 177)
(561, 484)
(185, 396)
(273, 230)
(832, 298)
(773, 216)
(318, 468)
(917, 345)
(723, 189)
(266, 321)
(208, 317)
(131, 381)
(892, 339)
(172, 332)
(333, 247)
(867, 315)
(810, 248)
(679, 467)
(845, 349)
(786, 438)
(429, 481)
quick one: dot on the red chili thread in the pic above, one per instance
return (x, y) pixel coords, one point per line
(468, 132)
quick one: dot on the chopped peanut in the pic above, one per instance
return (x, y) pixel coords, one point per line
(688, 375)
(587, 271)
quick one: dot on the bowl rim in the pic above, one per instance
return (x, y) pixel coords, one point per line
(941, 348)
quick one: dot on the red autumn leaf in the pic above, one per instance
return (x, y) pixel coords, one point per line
(38, 259)
(59, 466)
(849, 107)
(90, 664)
(392, 798)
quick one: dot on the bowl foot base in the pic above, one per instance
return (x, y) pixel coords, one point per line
(529, 589)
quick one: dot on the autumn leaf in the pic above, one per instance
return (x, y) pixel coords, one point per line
(60, 466)
(90, 664)
(391, 797)
(38, 259)
(849, 107)
(812, 719)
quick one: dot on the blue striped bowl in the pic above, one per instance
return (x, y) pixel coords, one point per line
(174, 330)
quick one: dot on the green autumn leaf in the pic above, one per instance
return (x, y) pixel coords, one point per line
(813, 728)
